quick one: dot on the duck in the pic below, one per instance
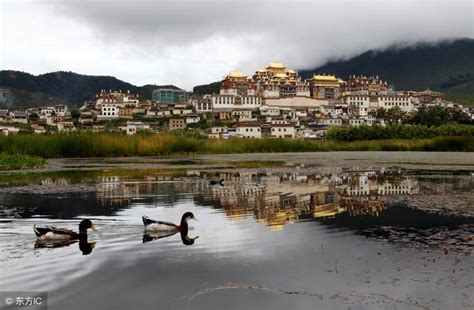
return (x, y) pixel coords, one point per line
(162, 226)
(213, 182)
(50, 233)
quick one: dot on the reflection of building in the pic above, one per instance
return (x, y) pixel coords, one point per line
(327, 210)
(272, 199)
(365, 206)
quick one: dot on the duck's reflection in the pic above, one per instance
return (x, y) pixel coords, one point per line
(84, 246)
(150, 236)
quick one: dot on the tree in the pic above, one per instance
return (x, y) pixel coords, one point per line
(33, 116)
(75, 113)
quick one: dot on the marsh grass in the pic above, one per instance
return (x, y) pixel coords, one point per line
(19, 161)
(109, 145)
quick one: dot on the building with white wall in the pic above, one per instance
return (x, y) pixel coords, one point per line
(248, 130)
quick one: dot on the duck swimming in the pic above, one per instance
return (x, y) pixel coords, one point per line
(156, 226)
(50, 233)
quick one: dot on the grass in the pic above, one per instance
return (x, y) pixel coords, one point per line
(19, 161)
(109, 145)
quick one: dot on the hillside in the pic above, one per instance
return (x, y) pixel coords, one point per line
(447, 67)
(20, 89)
(212, 88)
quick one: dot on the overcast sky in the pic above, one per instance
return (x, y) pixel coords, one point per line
(195, 42)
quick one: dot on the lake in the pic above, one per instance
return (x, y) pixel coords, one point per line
(321, 231)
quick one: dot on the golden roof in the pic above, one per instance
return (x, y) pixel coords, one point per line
(276, 65)
(323, 77)
(261, 70)
(290, 71)
(281, 75)
(236, 74)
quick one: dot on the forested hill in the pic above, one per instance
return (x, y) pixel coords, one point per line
(20, 89)
(447, 67)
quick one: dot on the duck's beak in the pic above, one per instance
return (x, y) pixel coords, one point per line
(195, 218)
(93, 228)
(92, 244)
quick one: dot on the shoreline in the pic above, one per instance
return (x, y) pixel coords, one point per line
(451, 161)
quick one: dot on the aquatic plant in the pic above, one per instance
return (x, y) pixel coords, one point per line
(18, 161)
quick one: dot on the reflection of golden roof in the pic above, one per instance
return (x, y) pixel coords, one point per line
(236, 74)
(276, 222)
(327, 210)
(276, 65)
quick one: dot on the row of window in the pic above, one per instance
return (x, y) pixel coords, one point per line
(244, 100)
(396, 103)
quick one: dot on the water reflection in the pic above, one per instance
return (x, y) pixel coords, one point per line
(150, 236)
(274, 199)
(84, 247)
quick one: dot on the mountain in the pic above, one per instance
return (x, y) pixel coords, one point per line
(212, 88)
(447, 66)
(22, 90)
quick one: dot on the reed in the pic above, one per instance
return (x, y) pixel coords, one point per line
(105, 145)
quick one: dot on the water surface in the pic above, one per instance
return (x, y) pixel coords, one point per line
(293, 238)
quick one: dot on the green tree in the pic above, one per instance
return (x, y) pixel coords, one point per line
(33, 116)
(75, 113)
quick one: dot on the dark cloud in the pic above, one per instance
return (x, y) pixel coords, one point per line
(304, 33)
(192, 42)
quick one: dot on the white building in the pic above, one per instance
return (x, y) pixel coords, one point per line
(192, 119)
(45, 112)
(248, 130)
(65, 126)
(230, 102)
(61, 110)
(109, 111)
(326, 121)
(132, 127)
(8, 130)
(403, 102)
(331, 110)
(269, 111)
(203, 105)
(283, 131)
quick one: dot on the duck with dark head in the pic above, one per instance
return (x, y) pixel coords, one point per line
(52, 237)
(155, 229)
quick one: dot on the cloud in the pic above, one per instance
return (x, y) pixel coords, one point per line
(192, 42)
